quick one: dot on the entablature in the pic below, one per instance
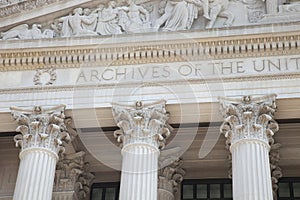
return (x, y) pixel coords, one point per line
(258, 41)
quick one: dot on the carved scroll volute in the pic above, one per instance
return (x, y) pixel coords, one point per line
(171, 176)
(248, 118)
(73, 174)
(41, 127)
(142, 123)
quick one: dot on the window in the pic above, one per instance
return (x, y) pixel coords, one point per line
(206, 189)
(212, 189)
(105, 191)
(289, 189)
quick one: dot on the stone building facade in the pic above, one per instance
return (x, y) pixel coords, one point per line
(149, 99)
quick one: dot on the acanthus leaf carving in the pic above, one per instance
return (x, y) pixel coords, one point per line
(72, 175)
(276, 171)
(142, 123)
(252, 118)
(170, 176)
(41, 128)
(248, 118)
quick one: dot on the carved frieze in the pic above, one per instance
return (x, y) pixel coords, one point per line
(130, 17)
(142, 124)
(118, 17)
(41, 128)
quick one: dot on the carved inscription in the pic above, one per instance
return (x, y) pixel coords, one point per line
(205, 69)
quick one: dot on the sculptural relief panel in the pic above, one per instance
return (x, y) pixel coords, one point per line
(129, 16)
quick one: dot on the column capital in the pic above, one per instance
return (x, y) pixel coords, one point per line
(248, 118)
(72, 176)
(40, 128)
(142, 124)
(171, 176)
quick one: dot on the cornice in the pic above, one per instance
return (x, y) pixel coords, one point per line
(156, 51)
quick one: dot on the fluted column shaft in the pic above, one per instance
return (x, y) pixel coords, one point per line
(249, 127)
(42, 134)
(251, 171)
(139, 172)
(36, 173)
(142, 134)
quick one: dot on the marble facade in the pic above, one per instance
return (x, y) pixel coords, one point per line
(111, 91)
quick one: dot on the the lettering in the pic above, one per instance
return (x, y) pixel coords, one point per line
(202, 69)
(121, 74)
(94, 75)
(297, 62)
(108, 74)
(81, 75)
(166, 72)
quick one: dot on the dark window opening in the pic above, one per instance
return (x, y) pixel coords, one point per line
(105, 191)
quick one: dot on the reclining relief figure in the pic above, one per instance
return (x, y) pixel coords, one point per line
(23, 32)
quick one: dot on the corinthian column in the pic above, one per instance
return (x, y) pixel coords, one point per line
(41, 139)
(142, 133)
(249, 126)
(169, 179)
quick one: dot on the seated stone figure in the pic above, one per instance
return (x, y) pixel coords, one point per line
(23, 32)
(134, 18)
(219, 8)
(180, 14)
(73, 24)
(175, 16)
(107, 22)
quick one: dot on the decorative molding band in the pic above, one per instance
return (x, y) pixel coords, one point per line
(39, 89)
(165, 51)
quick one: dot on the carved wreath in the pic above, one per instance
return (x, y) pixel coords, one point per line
(37, 77)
